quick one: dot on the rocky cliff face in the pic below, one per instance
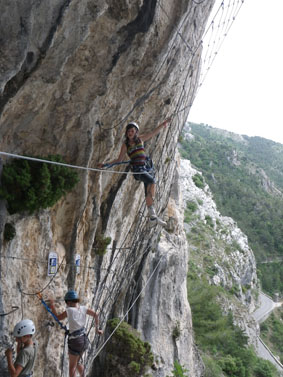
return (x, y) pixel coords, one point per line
(219, 250)
(72, 74)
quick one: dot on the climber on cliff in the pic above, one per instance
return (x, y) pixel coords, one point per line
(133, 146)
(26, 350)
(77, 339)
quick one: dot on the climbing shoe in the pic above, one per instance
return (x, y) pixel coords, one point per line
(156, 221)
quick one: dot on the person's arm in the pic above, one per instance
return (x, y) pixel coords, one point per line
(52, 307)
(19, 345)
(95, 316)
(149, 135)
(14, 371)
(120, 158)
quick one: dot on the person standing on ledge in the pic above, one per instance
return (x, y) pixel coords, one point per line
(141, 164)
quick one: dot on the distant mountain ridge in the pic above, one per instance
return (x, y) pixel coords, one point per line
(245, 175)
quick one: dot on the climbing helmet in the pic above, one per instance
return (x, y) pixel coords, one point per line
(132, 124)
(71, 295)
(24, 327)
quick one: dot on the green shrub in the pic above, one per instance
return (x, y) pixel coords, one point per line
(192, 206)
(198, 180)
(176, 331)
(209, 221)
(100, 244)
(134, 367)
(126, 353)
(234, 290)
(30, 185)
(212, 369)
(9, 232)
(263, 327)
(232, 366)
(264, 368)
(179, 370)
(190, 209)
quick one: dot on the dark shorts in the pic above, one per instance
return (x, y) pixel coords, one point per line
(77, 346)
(147, 174)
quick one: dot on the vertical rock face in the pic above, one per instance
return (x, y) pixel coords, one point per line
(164, 316)
(73, 73)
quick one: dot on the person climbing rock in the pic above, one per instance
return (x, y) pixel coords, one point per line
(26, 350)
(77, 339)
(141, 164)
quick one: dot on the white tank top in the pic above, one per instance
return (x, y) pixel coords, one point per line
(76, 317)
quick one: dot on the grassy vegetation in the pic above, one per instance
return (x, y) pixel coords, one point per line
(179, 370)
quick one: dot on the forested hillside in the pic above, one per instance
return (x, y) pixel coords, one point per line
(245, 175)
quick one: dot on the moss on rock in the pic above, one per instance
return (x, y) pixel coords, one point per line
(126, 353)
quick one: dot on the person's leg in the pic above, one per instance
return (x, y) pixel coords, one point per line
(80, 369)
(149, 185)
(73, 362)
(150, 192)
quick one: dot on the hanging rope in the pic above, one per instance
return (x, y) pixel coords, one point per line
(63, 327)
(73, 166)
(45, 287)
(41, 261)
(231, 17)
(127, 312)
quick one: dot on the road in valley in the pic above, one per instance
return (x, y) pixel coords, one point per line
(261, 314)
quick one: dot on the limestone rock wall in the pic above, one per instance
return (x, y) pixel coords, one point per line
(73, 73)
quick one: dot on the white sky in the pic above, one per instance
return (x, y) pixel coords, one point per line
(242, 92)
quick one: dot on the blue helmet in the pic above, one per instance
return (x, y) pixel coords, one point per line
(71, 295)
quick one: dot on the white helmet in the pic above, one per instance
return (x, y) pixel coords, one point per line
(132, 124)
(24, 327)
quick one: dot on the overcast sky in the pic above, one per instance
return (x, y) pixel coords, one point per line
(242, 91)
